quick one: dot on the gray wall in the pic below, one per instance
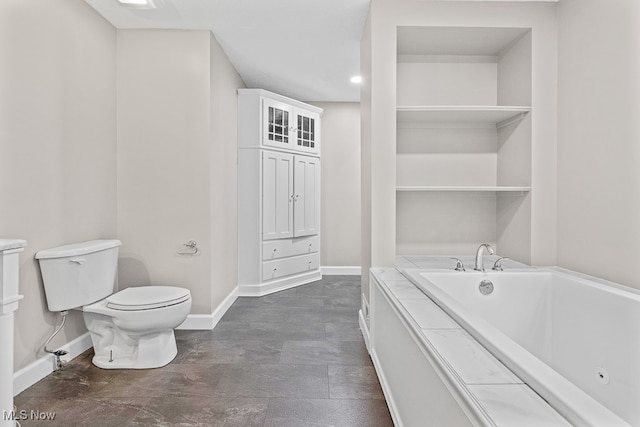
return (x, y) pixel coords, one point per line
(57, 145)
(599, 138)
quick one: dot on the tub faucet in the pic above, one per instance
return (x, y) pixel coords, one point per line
(497, 266)
(479, 253)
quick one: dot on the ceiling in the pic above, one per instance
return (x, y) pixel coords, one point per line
(304, 49)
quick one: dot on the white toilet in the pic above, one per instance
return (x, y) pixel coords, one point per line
(131, 329)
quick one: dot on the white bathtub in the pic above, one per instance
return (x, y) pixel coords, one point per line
(574, 339)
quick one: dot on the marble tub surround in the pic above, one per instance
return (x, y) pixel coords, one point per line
(495, 394)
(292, 358)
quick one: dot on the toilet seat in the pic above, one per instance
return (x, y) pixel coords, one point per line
(147, 298)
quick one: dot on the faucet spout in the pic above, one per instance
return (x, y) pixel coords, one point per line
(479, 256)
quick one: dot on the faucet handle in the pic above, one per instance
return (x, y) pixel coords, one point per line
(497, 266)
(459, 264)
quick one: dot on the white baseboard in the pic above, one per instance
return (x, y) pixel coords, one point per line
(262, 289)
(31, 374)
(277, 285)
(364, 329)
(353, 270)
(209, 321)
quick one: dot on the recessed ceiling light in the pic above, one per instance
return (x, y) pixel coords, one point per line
(356, 79)
(143, 4)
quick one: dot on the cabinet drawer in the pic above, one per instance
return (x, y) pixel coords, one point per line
(275, 249)
(286, 266)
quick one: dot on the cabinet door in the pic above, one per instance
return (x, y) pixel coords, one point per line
(277, 119)
(306, 203)
(277, 195)
(307, 131)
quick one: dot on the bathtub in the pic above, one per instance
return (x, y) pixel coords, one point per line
(574, 339)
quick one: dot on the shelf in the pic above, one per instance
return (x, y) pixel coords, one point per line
(431, 188)
(492, 115)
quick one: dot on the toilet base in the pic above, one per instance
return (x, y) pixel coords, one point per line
(136, 339)
(144, 352)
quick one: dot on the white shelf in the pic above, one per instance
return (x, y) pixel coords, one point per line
(481, 114)
(435, 188)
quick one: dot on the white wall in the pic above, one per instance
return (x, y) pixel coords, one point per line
(177, 163)
(57, 145)
(223, 162)
(163, 159)
(340, 216)
(599, 138)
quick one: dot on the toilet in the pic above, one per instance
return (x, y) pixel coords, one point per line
(130, 329)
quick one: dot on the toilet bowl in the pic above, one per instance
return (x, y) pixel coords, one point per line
(130, 329)
(133, 328)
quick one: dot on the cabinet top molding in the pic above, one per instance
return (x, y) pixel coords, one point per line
(271, 95)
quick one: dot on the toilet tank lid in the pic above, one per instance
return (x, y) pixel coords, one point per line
(76, 249)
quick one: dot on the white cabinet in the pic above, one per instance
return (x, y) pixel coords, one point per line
(277, 195)
(278, 192)
(278, 122)
(306, 199)
(290, 128)
(290, 195)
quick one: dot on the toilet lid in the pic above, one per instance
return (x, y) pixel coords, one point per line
(147, 297)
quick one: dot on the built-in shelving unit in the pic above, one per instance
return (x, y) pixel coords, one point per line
(463, 142)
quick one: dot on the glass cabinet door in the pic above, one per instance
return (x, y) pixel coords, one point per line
(307, 131)
(277, 124)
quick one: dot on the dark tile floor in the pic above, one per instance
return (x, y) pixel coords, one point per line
(294, 358)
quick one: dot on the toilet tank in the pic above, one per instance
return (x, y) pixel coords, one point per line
(79, 274)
